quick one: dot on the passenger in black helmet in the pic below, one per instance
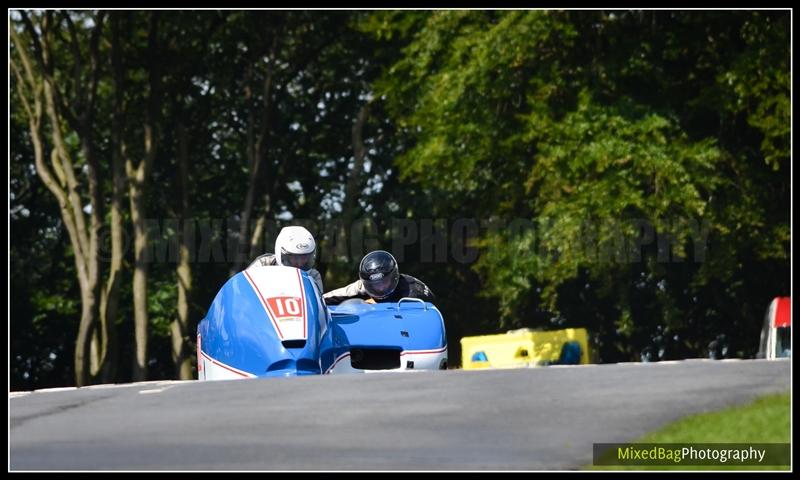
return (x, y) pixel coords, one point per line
(380, 281)
(379, 274)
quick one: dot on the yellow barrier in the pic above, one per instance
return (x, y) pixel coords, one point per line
(525, 348)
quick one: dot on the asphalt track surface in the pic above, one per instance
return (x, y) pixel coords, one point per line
(523, 419)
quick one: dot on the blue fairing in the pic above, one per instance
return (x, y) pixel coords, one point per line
(237, 332)
(407, 326)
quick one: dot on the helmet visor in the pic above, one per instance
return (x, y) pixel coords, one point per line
(303, 261)
(381, 287)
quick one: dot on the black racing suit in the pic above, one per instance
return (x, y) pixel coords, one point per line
(407, 286)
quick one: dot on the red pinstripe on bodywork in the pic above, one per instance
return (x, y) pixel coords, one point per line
(226, 367)
(422, 352)
(269, 311)
(302, 304)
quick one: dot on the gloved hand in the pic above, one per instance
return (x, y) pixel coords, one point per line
(369, 300)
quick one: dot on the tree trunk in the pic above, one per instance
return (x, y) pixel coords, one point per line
(138, 178)
(354, 178)
(109, 302)
(180, 326)
(256, 245)
(257, 152)
(140, 319)
(341, 236)
(59, 177)
(61, 181)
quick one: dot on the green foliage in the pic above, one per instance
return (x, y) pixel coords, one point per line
(570, 131)
(591, 126)
(161, 307)
(758, 82)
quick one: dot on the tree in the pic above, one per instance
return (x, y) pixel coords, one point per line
(39, 83)
(592, 129)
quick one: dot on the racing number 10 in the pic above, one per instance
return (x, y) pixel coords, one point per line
(286, 306)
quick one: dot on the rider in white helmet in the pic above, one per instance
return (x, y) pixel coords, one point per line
(294, 247)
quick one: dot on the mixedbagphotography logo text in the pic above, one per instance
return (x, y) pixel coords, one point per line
(692, 454)
(428, 240)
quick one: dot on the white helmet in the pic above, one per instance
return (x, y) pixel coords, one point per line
(295, 247)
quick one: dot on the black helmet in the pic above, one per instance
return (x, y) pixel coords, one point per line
(379, 274)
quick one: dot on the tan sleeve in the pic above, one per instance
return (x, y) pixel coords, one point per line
(265, 260)
(314, 274)
(354, 290)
